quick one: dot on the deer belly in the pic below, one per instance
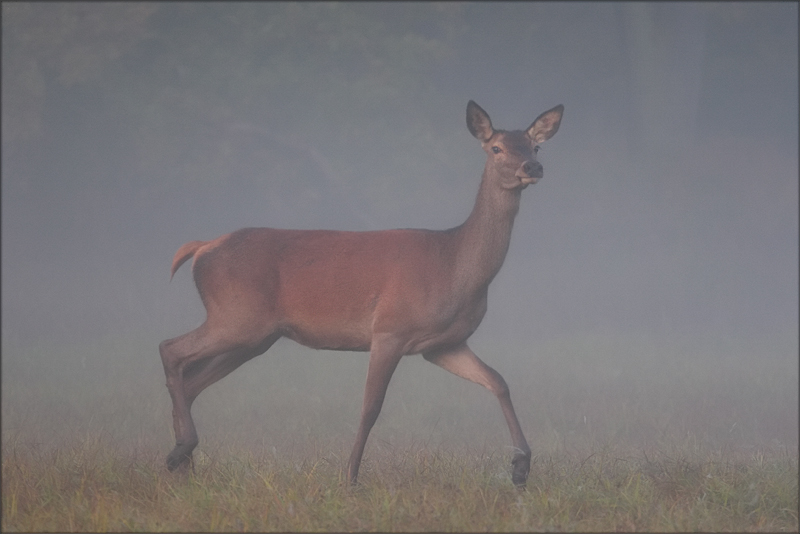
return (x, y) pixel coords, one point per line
(328, 336)
(328, 324)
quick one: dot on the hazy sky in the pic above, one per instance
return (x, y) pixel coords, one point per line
(668, 209)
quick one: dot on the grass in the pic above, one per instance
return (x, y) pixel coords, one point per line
(625, 440)
(92, 486)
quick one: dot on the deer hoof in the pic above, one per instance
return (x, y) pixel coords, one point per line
(179, 457)
(520, 467)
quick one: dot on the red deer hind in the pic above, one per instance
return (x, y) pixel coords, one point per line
(391, 292)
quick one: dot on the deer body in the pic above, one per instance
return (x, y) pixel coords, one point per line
(391, 292)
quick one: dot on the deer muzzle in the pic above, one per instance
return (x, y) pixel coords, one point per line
(530, 172)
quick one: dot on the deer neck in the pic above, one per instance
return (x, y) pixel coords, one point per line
(483, 239)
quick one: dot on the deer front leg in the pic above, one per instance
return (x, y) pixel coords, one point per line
(461, 361)
(383, 359)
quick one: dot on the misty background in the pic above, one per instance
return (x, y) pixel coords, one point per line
(652, 273)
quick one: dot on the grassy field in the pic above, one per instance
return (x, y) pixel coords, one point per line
(92, 486)
(639, 443)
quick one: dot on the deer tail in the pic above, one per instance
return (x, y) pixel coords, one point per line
(186, 251)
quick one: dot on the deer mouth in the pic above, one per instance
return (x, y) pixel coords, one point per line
(528, 180)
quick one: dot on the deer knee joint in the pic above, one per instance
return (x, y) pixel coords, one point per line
(500, 388)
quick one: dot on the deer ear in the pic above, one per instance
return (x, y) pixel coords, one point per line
(546, 125)
(478, 122)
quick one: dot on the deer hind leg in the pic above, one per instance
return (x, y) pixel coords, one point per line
(210, 370)
(461, 361)
(383, 359)
(192, 362)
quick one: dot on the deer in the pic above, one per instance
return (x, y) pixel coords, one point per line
(391, 293)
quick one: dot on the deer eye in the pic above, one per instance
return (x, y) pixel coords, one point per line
(536, 149)
(496, 149)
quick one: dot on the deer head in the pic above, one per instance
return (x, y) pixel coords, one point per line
(511, 156)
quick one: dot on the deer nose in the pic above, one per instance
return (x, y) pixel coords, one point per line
(531, 169)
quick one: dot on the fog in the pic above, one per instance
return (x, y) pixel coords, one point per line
(658, 255)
